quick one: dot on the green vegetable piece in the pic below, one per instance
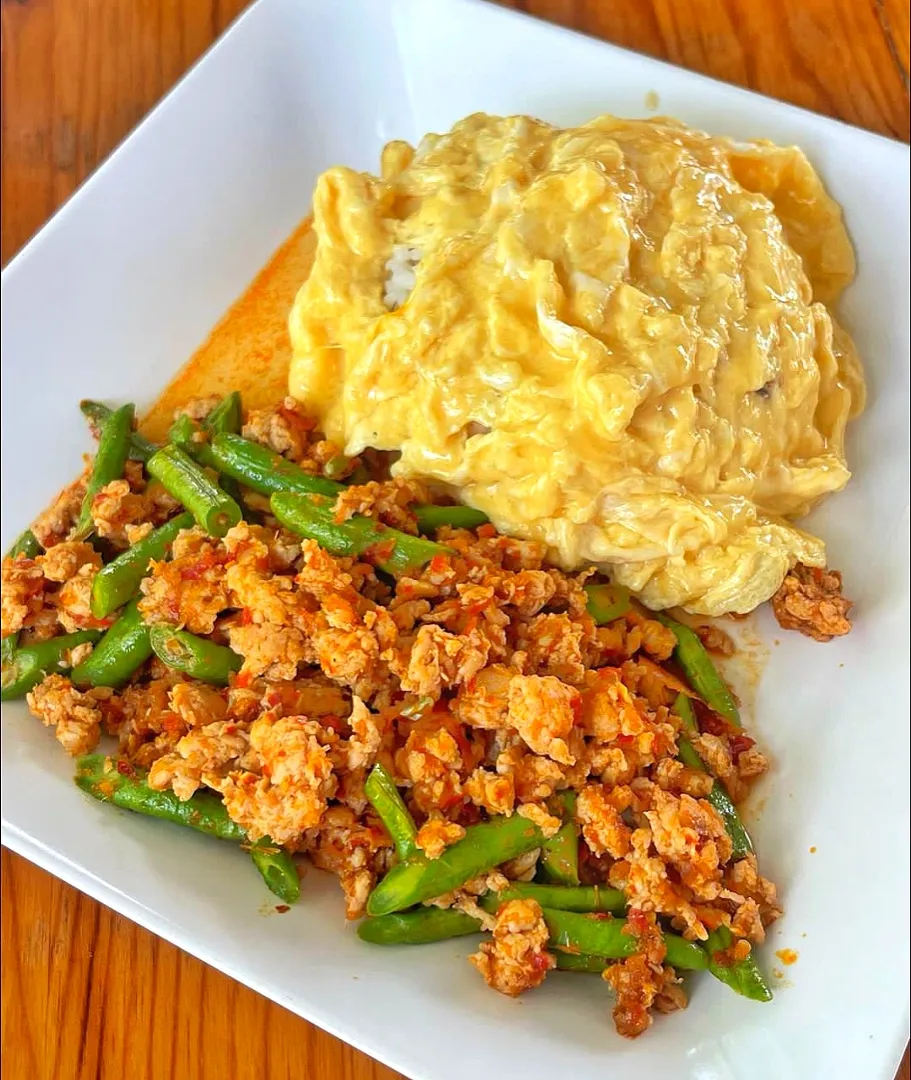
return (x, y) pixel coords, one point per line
(482, 848)
(384, 797)
(118, 582)
(567, 961)
(96, 413)
(126, 786)
(263, 470)
(124, 648)
(431, 518)
(559, 861)
(418, 927)
(607, 602)
(598, 936)
(194, 656)
(336, 466)
(703, 676)
(110, 458)
(742, 976)
(214, 510)
(29, 665)
(582, 898)
(277, 869)
(741, 844)
(395, 552)
(227, 416)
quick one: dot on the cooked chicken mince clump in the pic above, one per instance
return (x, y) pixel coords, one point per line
(480, 682)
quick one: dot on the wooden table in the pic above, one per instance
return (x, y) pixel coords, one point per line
(85, 992)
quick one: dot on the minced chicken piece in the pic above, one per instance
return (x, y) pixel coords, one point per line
(22, 595)
(77, 716)
(810, 601)
(542, 711)
(517, 959)
(388, 501)
(436, 834)
(53, 524)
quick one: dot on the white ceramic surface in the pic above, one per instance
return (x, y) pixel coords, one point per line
(116, 292)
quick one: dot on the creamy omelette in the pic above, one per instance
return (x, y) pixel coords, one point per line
(615, 338)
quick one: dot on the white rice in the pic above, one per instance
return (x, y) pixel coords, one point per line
(400, 275)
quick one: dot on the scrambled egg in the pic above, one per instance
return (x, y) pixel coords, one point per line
(614, 338)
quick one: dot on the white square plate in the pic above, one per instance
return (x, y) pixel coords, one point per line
(119, 288)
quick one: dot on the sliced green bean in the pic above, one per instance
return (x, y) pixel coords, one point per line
(277, 869)
(126, 786)
(227, 416)
(741, 844)
(742, 976)
(559, 861)
(29, 665)
(703, 676)
(567, 961)
(431, 518)
(607, 602)
(110, 458)
(214, 510)
(482, 848)
(123, 649)
(194, 656)
(598, 936)
(96, 413)
(581, 898)
(395, 552)
(257, 467)
(118, 581)
(418, 927)
(384, 797)
(29, 548)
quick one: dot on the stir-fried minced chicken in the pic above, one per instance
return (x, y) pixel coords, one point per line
(810, 601)
(480, 682)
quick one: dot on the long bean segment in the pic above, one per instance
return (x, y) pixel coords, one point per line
(742, 976)
(607, 602)
(194, 656)
(581, 898)
(703, 676)
(395, 552)
(384, 797)
(29, 665)
(608, 938)
(418, 927)
(204, 811)
(118, 582)
(96, 413)
(263, 470)
(123, 649)
(214, 510)
(431, 518)
(567, 961)
(188, 436)
(559, 861)
(113, 450)
(741, 844)
(277, 870)
(227, 416)
(482, 848)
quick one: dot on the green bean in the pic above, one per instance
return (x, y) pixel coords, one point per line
(126, 786)
(431, 518)
(395, 552)
(384, 797)
(118, 582)
(124, 648)
(29, 548)
(703, 676)
(607, 602)
(194, 656)
(263, 470)
(140, 448)
(742, 976)
(559, 861)
(214, 510)
(184, 433)
(227, 416)
(482, 848)
(336, 466)
(29, 665)
(582, 898)
(418, 927)
(568, 961)
(608, 938)
(741, 844)
(277, 869)
(110, 458)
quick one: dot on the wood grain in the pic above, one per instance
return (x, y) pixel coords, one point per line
(85, 993)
